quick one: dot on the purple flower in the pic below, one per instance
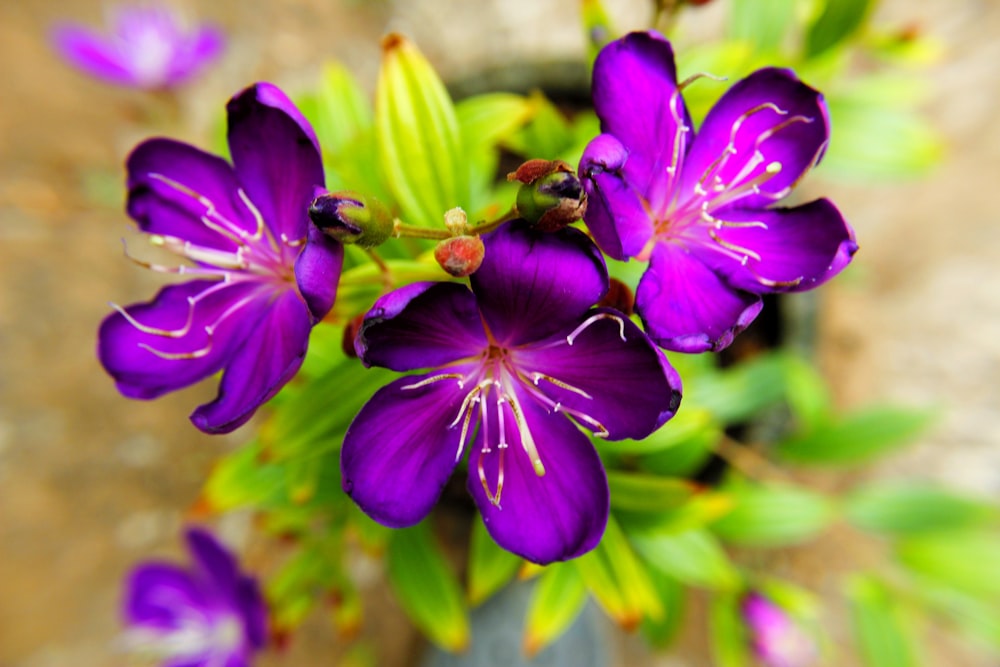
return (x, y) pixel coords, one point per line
(776, 639)
(209, 615)
(514, 363)
(699, 208)
(148, 47)
(263, 275)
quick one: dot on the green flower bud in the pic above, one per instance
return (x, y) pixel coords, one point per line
(550, 196)
(352, 218)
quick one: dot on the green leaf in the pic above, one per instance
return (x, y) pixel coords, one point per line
(343, 109)
(660, 633)
(243, 479)
(726, 631)
(618, 580)
(417, 134)
(857, 438)
(807, 394)
(741, 391)
(426, 587)
(881, 632)
(693, 557)
(686, 424)
(490, 566)
(556, 601)
(839, 20)
(964, 560)
(762, 23)
(771, 516)
(647, 493)
(909, 508)
(546, 136)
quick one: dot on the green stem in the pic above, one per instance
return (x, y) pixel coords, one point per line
(484, 227)
(401, 229)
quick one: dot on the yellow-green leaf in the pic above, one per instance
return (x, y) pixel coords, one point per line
(557, 600)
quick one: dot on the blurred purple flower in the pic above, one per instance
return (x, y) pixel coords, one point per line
(515, 362)
(207, 615)
(263, 274)
(146, 47)
(699, 208)
(776, 639)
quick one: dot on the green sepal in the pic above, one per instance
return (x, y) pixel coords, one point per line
(556, 601)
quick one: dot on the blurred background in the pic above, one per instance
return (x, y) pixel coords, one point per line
(91, 482)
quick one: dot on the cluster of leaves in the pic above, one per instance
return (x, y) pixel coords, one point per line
(671, 534)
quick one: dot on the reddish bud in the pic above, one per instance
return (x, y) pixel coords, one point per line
(460, 256)
(619, 297)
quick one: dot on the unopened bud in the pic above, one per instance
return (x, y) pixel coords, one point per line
(349, 217)
(619, 297)
(550, 196)
(460, 256)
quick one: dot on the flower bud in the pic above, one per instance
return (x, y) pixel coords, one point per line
(550, 196)
(349, 217)
(460, 256)
(619, 297)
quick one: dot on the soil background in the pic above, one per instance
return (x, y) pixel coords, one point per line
(90, 482)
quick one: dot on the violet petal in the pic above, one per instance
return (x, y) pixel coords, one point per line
(276, 156)
(637, 99)
(799, 249)
(158, 595)
(627, 390)
(401, 449)
(273, 350)
(558, 516)
(93, 53)
(317, 272)
(686, 307)
(615, 214)
(771, 120)
(532, 284)
(421, 325)
(126, 351)
(174, 188)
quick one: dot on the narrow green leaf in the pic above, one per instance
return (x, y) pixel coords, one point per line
(556, 601)
(418, 138)
(808, 396)
(693, 557)
(486, 120)
(647, 493)
(546, 135)
(771, 516)
(857, 438)
(839, 20)
(660, 633)
(964, 560)
(490, 566)
(243, 479)
(909, 508)
(343, 109)
(425, 585)
(727, 634)
(685, 425)
(881, 632)
(618, 579)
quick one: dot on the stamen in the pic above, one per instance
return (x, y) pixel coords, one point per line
(228, 229)
(699, 75)
(262, 229)
(220, 258)
(527, 442)
(471, 397)
(537, 377)
(176, 356)
(433, 379)
(181, 270)
(594, 318)
(293, 243)
(154, 331)
(745, 252)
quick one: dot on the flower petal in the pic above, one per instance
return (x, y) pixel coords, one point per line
(161, 595)
(176, 322)
(627, 390)
(421, 325)
(799, 249)
(557, 516)
(93, 53)
(532, 284)
(770, 119)
(195, 51)
(637, 99)
(273, 349)
(181, 191)
(686, 307)
(401, 449)
(214, 564)
(317, 272)
(615, 214)
(276, 156)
